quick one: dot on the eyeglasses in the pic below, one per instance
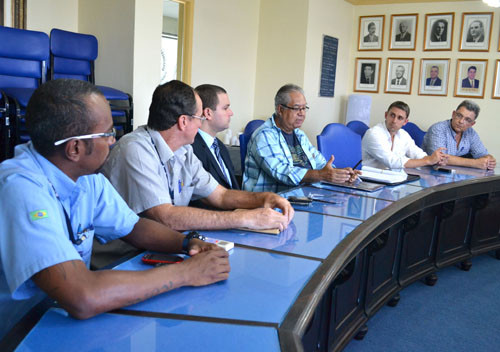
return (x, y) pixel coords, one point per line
(88, 136)
(296, 108)
(202, 118)
(468, 120)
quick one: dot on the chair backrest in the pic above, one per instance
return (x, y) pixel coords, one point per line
(72, 55)
(245, 138)
(24, 56)
(340, 141)
(358, 126)
(415, 132)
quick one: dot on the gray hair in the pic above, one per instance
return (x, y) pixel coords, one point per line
(469, 105)
(283, 95)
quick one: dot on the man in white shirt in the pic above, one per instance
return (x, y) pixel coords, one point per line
(386, 145)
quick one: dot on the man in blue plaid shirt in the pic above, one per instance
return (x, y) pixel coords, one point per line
(279, 154)
(462, 143)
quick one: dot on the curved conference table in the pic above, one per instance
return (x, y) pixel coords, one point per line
(312, 287)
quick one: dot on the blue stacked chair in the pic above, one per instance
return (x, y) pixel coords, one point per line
(23, 66)
(245, 138)
(415, 132)
(340, 141)
(72, 55)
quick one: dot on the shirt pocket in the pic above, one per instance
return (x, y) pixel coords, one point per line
(85, 248)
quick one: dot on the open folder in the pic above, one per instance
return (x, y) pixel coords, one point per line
(388, 177)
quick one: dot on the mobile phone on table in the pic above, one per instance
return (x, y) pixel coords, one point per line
(160, 259)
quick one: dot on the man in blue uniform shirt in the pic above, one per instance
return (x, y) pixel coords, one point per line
(53, 204)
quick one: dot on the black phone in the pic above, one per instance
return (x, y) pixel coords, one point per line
(299, 200)
(160, 259)
(443, 169)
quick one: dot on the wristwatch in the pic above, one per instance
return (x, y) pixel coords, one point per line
(188, 238)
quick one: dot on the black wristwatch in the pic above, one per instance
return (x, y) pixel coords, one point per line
(188, 238)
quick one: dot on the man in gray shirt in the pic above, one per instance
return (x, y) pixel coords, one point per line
(155, 171)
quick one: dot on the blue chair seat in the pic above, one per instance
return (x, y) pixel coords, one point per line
(415, 132)
(245, 138)
(358, 126)
(341, 142)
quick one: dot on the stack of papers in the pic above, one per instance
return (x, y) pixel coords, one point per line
(382, 176)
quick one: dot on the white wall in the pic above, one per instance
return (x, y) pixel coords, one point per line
(327, 17)
(112, 22)
(225, 37)
(426, 110)
(147, 61)
(281, 50)
(47, 14)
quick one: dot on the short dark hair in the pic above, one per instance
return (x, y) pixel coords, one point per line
(58, 110)
(208, 94)
(170, 101)
(400, 105)
(283, 95)
(469, 105)
(472, 67)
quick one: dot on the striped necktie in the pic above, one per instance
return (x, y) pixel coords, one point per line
(215, 147)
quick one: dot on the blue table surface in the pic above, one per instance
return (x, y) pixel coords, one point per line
(309, 234)
(391, 193)
(114, 332)
(353, 206)
(261, 287)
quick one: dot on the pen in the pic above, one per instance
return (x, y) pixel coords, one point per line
(357, 164)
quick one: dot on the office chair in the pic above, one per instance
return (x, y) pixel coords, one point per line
(358, 126)
(23, 58)
(245, 138)
(415, 132)
(341, 142)
(72, 55)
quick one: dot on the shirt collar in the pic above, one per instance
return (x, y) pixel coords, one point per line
(62, 183)
(209, 140)
(164, 151)
(453, 133)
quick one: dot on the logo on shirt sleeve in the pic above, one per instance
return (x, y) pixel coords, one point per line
(38, 214)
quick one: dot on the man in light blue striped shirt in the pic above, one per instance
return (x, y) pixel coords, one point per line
(279, 154)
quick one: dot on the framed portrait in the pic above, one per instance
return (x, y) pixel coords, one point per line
(476, 31)
(367, 75)
(399, 76)
(434, 74)
(496, 82)
(403, 32)
(438, 32)
(371, 33)
(471, 75)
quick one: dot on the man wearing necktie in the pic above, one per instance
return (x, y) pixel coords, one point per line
(433, 80)
(399, 80)
(212, 153)
(470, 81)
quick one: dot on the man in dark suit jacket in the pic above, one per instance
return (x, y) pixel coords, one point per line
(368, 74)
(218, 113)
(404, 35)
(470, 81)
(433, 80)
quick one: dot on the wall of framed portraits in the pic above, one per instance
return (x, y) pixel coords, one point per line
(432, 56)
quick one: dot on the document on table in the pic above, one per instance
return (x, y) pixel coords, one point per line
(382, 176)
